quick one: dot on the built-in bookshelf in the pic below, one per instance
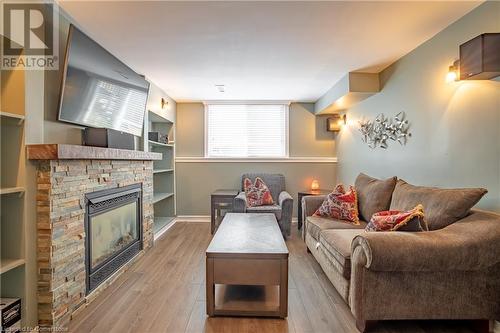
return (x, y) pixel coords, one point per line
(12, 203)
(163, 170)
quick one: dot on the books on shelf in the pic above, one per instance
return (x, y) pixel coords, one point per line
(10, 309)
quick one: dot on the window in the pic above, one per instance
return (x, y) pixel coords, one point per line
(246, 130)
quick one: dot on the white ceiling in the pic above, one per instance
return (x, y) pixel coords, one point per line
(259, 50)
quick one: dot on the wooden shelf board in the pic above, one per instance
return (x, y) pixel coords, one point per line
(162, 170)
(161, 196)
(76, 152)
(161, 144)
(19, 117)
(156, 118)
(8, 264)
(246, 299)
(9, 190)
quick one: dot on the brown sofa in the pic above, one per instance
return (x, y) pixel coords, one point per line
(449, 272)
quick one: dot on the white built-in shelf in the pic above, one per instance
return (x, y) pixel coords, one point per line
(8, 264)
(7, 115)
(157, 197)
(9, 190)
(156, 118)
(161, 144)
(162, 223)
(163, 170)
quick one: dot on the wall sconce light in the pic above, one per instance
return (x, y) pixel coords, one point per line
(315, 185)
(335, 122)
(453, 72)
(164, 103)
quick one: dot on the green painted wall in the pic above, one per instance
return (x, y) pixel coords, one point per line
(455, 126)
(195, 181)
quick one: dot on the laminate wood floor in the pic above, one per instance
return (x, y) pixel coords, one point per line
(164, 291)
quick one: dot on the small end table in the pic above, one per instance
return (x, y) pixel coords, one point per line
(303, 194)
(220, 200)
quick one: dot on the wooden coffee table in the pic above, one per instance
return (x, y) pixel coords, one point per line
(247, 267)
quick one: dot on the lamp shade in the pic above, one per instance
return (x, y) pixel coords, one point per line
(315, 185)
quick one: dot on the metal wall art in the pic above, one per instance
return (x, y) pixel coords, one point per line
(377, 133)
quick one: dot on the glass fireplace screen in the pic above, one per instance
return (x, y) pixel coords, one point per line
(113, 231)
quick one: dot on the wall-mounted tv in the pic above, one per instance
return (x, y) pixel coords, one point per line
(98, 90)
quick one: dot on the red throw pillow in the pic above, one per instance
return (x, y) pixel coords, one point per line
(257, 194)
(340, 205)
(392, 220)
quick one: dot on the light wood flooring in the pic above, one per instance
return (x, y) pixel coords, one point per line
(164, 291)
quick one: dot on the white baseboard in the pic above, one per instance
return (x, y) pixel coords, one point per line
(203, 218)
(192, 218)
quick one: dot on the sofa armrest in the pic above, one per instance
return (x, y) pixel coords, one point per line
(310, 204)
(240, 203)
(469, 244)
(285, 201)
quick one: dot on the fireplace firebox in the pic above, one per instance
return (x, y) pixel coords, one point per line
(113, 227)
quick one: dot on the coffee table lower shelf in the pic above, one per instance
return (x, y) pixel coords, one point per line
(241, 300)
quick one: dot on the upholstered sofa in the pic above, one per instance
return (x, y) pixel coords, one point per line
(283, 201)
(449, 272)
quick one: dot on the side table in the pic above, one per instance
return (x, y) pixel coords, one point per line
(220, 200)
(303, 194)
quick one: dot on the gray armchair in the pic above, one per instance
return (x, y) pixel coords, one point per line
(283, 206)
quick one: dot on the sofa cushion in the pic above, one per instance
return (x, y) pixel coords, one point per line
(275, 182)
(442, 206)
(273, 209)
(257, 193)
(374, 195)
(392, 220)
(338, 244)
(340, 204)
(315, 224)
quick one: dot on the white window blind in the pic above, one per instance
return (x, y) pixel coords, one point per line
(246, 130)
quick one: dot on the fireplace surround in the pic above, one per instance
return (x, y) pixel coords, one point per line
(113, 229)
(68, 178)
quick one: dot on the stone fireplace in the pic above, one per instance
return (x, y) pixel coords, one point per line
(94, 218)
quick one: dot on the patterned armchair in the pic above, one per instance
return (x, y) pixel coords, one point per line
(283, 202)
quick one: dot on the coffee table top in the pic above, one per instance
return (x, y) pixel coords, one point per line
(246, 234)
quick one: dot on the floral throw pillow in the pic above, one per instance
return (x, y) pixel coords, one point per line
(392, 220)
(340, 204)
(258, 193)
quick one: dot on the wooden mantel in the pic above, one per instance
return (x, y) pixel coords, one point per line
(76, 152)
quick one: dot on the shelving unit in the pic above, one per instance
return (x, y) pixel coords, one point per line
(163, 170)
(12, 253)
(13, 228)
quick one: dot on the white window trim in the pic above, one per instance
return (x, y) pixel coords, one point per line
(287, 126)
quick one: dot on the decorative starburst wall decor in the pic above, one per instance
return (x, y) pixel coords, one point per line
(377, 133)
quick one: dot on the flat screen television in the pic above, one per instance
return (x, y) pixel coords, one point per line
(98, 90)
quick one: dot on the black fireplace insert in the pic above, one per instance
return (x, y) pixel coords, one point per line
(113, 228)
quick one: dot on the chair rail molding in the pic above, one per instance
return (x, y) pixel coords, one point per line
(201, 159)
